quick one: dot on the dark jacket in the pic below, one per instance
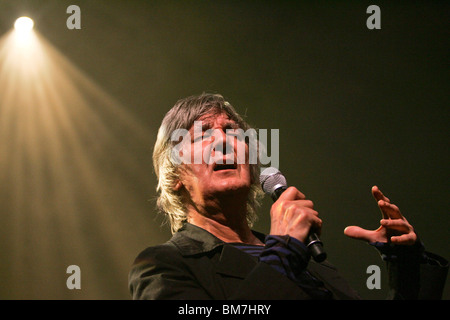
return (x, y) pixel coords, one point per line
(194, 264)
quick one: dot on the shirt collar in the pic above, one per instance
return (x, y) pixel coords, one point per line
(191, 240)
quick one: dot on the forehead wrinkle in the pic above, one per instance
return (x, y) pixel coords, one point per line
(208, 121)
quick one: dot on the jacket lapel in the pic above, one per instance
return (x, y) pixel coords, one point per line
(234, 262)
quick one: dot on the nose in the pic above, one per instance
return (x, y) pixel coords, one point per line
(222, 142)
(221, 147)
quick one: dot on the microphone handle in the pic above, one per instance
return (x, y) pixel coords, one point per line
(315, 245)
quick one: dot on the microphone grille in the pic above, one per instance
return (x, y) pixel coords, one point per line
(271, 178)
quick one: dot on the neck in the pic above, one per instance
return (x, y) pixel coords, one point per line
(226, 222)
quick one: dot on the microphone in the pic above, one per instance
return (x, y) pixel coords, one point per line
(274, 183)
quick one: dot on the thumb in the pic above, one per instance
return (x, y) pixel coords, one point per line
(358, 233)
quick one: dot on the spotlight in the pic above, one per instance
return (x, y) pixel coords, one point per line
(24, 24)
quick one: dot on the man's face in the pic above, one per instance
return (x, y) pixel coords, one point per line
(214, 169)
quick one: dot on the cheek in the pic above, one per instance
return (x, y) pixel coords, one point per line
(248, 173)
(241, 151)
(192, 153)
(196, 174)
(188, 177)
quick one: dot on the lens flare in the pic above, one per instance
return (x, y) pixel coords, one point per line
(24, 24)
(24, 34)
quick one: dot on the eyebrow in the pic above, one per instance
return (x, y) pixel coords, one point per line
(229, 124)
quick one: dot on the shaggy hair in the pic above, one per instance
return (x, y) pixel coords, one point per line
(182, 116)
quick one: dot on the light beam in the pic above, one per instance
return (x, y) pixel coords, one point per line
(24, 24)
(68, 176)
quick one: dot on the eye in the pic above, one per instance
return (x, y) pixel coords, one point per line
(197, 138)
(208, 136)
(205, 136)
(235, 133)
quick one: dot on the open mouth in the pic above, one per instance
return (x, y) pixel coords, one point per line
(219, 167)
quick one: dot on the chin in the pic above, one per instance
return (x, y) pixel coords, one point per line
(232, 187)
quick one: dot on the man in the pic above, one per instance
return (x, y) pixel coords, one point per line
(211, 206)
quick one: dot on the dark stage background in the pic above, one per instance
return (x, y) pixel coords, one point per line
(355, 108)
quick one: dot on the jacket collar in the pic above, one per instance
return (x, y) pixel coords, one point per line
(192, 240)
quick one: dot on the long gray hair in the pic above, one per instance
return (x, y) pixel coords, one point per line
(182, 116)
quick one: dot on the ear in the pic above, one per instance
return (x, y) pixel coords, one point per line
(178, 185)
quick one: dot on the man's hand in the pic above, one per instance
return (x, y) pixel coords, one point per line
(293, 215)
(394, 227)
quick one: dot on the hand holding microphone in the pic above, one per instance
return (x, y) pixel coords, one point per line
(291, 213)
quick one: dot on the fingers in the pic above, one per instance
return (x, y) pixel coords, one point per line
(405, 239)
(388, 210)
(291, 193)
(300, 212)
(378, 195)
(359, 233)
(394, 227)
(398, 225)
(381, 200)
(400, 230)
(292, 214)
